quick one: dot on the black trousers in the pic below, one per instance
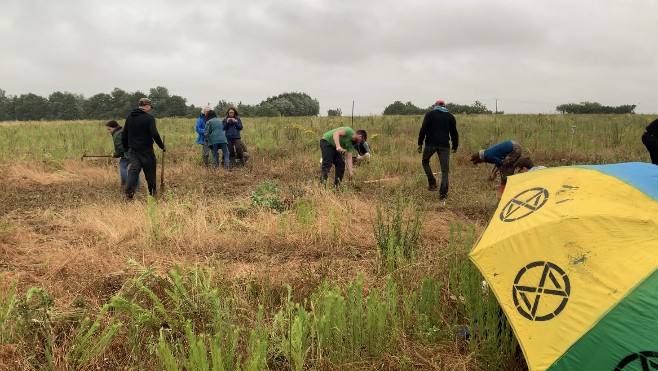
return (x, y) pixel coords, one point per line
(650, 140)
(330, 156)
(141, 161)
(444, 161)
(235, 148)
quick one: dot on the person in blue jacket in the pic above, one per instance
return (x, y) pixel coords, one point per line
(233, 126)
(503, 156)
(200, 129)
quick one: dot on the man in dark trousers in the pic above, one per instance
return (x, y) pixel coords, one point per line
(438, 130)
(139, 133)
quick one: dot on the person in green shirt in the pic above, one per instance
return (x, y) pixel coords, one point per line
(333, 145)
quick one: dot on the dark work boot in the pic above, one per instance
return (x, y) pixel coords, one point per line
(431, 187)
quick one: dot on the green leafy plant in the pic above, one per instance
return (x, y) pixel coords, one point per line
(266, 196)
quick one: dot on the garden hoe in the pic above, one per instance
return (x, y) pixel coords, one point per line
(86, 155)
(162, 184)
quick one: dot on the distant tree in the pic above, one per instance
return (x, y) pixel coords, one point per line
(160, 98)
(477, 108)
(31, 107)
(121, 103)
(6, 106)
(99, 107)
(594, 108)
(222, 106)
(294, 104)
(134, 100)
(399, 108)
(176, 106)
(335, 112)
(63, 106)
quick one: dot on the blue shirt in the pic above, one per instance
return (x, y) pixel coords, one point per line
(496, 153)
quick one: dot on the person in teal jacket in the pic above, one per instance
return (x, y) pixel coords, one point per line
(216, 139)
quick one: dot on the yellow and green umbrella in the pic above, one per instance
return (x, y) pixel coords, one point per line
(572, 255)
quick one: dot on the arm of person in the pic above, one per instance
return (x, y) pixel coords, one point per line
(200, 126)
(494, 172)
(124, 136)
(208, 132)
(350, 167)
(336, 137)
(155, 135)
(454, 135)
(423, 130)
(238, 123)
(118, 146)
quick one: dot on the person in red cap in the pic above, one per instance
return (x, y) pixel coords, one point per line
(439, 128)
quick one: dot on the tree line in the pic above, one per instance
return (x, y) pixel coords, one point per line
(118, 103)
(399, 108)
(594, 108)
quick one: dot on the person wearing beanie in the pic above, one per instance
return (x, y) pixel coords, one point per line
(116, 131)
(439, 128)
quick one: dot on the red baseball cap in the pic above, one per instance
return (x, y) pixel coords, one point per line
(440, 102)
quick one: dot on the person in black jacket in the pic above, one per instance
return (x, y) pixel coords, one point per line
(139, 133)
(438, 130)
(650, 140)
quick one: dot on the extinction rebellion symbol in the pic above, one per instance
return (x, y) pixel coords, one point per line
(524, 204)
(647, 360)
(541, 291)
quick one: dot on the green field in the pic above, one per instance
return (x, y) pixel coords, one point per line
(261, 267)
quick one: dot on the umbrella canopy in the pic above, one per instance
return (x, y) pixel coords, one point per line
(571, 255)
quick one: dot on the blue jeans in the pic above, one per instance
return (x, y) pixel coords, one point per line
(214, 148)
(123, 171)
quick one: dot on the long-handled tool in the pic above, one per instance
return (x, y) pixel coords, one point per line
(86, 155)
(162, 186)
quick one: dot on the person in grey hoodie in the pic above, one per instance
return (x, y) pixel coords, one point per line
(216, 138)
(232, 126)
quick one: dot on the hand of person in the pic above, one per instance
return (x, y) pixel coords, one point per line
(420, 149)
(454, 150)
(340, 149)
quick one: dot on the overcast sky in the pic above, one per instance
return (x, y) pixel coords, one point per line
(530, 55)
